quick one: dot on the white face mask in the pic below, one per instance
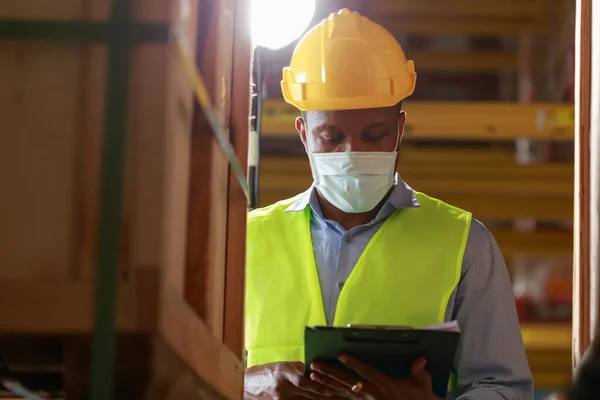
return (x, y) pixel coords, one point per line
(354, 182)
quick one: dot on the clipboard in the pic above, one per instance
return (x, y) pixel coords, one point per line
(391, 350)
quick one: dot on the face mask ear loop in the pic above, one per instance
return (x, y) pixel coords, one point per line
(313, 166)
(398, 138)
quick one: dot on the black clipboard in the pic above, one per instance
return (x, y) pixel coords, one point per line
(389, 350)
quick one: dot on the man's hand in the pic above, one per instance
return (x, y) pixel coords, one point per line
(282, 381)
(371, 384)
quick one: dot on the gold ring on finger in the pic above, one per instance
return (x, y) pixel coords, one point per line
(357, 387)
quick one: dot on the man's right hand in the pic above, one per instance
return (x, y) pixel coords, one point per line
(282, 381)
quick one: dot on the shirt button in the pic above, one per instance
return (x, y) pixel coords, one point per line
(348, 239)
(340, 285)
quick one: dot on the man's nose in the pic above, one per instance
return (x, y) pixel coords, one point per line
(354, 144)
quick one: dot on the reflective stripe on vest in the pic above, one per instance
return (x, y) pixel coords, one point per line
(405, 276)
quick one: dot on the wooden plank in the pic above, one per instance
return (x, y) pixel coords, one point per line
(550, 360)
(88, 175)
(293, 174)
(193, 341)
(546, 336)
(535, 243)
(488, 121)
(207, 223)
(542, 191)
(428, 25)
(502, 207)
(519, 181)
(237, 205)
(509, 206)
(442, 187)
(38, 159)
(173, 379)
(177, 143)
(59, 10)
(456, 120)
(37, 307)
(463, 61)
(414, 154)
(551, 380)
(584, 270)
(451, 61)
(460, 8)
(423, 165)
(220, 60)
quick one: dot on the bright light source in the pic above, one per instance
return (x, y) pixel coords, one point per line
(277, 23)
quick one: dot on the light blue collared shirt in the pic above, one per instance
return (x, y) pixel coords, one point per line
(490, 362)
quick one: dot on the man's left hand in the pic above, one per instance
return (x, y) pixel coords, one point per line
(368, 383)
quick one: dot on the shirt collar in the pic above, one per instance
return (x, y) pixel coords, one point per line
(402, 196)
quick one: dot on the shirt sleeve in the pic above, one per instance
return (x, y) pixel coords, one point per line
(490, 363)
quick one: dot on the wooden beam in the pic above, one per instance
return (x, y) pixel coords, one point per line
(454, 155)
(421, 165)
(443, 185)
(192, 340)
(551, 380)
(585, 271)
(546, 336)
(60, 308)
(460, 8)
(463, 61)
(542, 191)
(536, 243)
(501, 207)
(235, 269)
(456, 120)
(432, 60)
(427, 25)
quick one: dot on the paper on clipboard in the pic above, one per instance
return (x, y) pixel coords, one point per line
(451, 326)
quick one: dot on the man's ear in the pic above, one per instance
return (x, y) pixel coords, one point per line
(401, 121)
(301, 128)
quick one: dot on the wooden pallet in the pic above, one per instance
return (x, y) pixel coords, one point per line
(105, 223)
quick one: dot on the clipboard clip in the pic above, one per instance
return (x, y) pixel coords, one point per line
(380, 327)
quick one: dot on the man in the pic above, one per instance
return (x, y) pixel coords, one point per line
(361, 247)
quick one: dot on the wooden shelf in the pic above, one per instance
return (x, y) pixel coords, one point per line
(505, 9)
(455, 120)
(547, 337)
(146, 306)
(541, 191)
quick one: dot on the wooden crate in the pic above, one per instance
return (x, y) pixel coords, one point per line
(76, 102)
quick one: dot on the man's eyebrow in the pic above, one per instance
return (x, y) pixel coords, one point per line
(382, 124)
(317, 130)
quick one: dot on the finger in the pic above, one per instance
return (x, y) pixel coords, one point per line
(362, 369)
(328, 381)
(418, 365)
(298, 365)
(419, 373)
(302, 394)
(346, 379)
(339, 388)
(308, 385)
(292, 373)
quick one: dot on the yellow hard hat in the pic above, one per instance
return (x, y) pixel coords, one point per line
(347, 62)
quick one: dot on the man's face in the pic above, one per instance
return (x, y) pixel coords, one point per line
(374, 129)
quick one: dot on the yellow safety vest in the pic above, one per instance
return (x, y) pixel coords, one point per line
(405, 276)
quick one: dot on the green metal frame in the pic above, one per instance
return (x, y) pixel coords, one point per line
(119, 33)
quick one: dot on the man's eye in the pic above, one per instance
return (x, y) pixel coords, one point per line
(374, 138)
(330, 139)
